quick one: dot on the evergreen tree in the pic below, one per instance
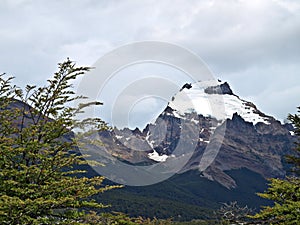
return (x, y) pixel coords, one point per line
(39, 182)
(295, 159)
(285, 193)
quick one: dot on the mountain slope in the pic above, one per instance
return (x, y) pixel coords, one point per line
(226, 132)
(247, 147)
(235, 149)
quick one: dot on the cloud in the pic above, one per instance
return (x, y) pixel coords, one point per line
(253, 44)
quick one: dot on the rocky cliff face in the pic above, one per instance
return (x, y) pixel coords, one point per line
(252, 140)
(259, 148)
(245, 144)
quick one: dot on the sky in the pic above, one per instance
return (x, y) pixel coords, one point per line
(254, 45)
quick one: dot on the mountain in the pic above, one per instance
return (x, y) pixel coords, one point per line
(235, 148)
(224, 149)
(237, 136)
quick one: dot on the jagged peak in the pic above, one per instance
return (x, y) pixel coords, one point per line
(187, 86)
(221, 89)
(207, 97)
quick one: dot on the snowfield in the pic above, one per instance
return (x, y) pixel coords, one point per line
(219, 106)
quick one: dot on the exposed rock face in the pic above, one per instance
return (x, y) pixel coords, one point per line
(246, 146)
(221, 89)
(256, 146)
(187, 86)
(253, 147)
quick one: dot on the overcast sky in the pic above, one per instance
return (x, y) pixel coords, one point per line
(254, 45)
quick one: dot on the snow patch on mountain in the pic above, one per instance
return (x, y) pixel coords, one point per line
(219, 106)
(156, 157)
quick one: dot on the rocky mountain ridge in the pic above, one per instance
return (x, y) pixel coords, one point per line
(243, 137)
(238, 137)
(235, 149)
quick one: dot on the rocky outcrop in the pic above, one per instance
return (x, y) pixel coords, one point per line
(259, 147)
(222, 89)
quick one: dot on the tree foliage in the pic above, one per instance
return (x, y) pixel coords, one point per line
(295, 159)
(232, 213)
(39, 182)
(284, 192)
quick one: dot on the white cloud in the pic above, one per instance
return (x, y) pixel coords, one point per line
(250, 43)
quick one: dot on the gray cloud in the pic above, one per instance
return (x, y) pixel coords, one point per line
(252, 44)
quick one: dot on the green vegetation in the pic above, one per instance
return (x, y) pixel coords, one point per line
(186, 197)
(38, 182)
(138, 205)
(43, 178)
(295, 159)
(285, 193)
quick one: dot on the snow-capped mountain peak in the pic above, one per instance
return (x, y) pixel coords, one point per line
(214, 99)
(193, 120)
